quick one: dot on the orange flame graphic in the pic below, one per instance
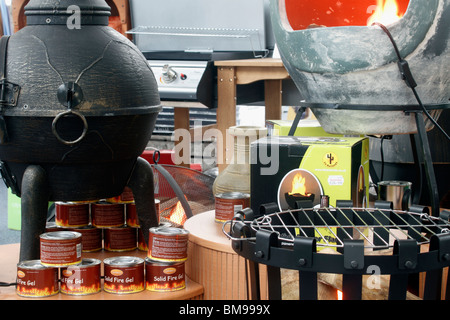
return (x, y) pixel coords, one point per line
(131, 288)
(80, 290)
(299, 185)
(173, 286)
(36, 292)
(177, 214)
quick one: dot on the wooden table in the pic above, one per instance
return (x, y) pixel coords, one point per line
(231, 73)
(9, 256)
(213, 263)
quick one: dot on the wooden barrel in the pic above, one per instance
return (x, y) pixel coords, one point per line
(211, 260)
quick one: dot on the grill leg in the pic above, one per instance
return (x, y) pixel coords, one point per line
(308, 285)
(253, 285)
(352, 287)
(141, 183)
(34, 202)
(428, 163)
(398, 286)
(274, 283)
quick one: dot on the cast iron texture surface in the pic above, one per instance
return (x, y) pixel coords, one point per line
(110, 114)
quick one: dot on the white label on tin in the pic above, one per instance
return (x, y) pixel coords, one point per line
(78, 250)
(237, 207)
(335, 180)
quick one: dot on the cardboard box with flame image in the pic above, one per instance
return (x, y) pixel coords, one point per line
(285, 170)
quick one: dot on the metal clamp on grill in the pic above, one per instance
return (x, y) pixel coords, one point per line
(9, 92)
(352, 242)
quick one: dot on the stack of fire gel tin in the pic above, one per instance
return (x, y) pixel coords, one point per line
(109, 225)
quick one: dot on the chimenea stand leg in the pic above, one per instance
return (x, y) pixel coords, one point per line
(34, 202)
(141, 183)
(428, 163)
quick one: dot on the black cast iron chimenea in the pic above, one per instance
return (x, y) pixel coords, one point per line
(78, 107)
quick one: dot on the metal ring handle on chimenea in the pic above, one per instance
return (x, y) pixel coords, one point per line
(70, 95)
(67, 113)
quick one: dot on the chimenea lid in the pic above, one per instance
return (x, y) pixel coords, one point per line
(64, 61)
(89, 12)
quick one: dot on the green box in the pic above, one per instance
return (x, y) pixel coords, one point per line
(334, 166)
(14, 211)
(306, 128)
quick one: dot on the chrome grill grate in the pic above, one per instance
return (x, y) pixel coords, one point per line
(379, 228)
(195, 32)
(254, 37)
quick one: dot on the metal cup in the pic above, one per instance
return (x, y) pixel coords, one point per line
(397, 192)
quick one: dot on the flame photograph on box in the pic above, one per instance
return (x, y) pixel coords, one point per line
(309, 168)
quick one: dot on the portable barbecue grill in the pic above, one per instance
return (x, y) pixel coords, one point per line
(293, 239)
(182, 39)
(351, 223)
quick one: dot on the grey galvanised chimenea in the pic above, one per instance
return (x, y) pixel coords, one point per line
(357, 66)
